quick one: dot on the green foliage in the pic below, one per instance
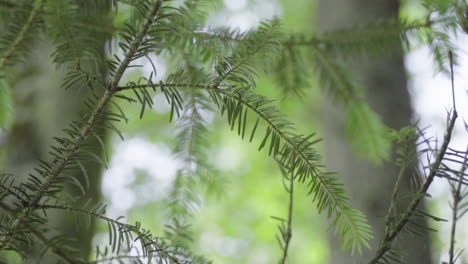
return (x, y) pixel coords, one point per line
(297, 156)
(326, 51)
(212, 68)
(367, 132)
(6, 102)
(20, 32)
(73, 27)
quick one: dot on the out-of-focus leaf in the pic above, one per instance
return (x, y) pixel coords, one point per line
(368, 133)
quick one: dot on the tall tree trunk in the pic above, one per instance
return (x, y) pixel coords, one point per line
(385, 80)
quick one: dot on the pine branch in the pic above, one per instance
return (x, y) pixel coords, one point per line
(195, 174)
(52, 248)
(238, 67)
(10, 191)
(393, 199)
(457, 198)
(81, 211)
(172, 85)
(145, 238)
(299, 158)
(77, 32)
(59, 165)
(386, 244)
(55, 250)
(355, 38)
(373, 37)
(183, 198)
(9, 53)
(363, 126)
(398, 227)
(325, 188)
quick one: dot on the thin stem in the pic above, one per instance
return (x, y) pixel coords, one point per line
(452, 81)
(288, 234)
(457, 197)
(22, 33)
(60, 164)
(172, 85)
(393, 200)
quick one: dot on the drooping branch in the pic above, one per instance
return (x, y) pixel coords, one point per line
(328, 193)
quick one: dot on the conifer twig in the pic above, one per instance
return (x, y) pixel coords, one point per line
(58, 165)
(55, 250)
(102, 217)
(391, 207)
(82, 211)
(287, 236)
(52, 248)
(172, 85)
(398, 227)
(318, 41)
(22, 33)
(457, 197)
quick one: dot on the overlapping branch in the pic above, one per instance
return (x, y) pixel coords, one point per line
(22, 33)
(58, 165)
(39, 236)
(392, 233)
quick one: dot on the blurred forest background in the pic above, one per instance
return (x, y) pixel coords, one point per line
(232, 222)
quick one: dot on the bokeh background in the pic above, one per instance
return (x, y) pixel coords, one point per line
(233, 224)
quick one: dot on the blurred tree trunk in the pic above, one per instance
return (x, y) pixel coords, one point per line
(42, 109)
(384, 77)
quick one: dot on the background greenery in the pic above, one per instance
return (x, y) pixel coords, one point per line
(234, 223)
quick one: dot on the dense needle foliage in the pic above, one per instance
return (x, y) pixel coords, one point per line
(215, 70)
